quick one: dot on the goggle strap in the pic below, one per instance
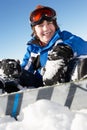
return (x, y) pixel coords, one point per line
(43, 18)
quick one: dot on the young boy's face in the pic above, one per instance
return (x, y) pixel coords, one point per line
(45, 31)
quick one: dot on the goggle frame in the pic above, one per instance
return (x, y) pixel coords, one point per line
(45, 13)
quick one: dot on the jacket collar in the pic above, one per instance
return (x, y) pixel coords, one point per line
(55, 37)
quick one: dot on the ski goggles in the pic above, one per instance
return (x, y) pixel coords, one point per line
(45, 13)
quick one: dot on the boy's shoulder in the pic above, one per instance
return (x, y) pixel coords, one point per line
(66, 34)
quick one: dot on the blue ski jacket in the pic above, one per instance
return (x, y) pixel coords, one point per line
(78, 45)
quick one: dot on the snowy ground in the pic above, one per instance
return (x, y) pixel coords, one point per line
(46, 115)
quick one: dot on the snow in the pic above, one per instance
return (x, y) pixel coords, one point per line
(46, 115)
(52, 68)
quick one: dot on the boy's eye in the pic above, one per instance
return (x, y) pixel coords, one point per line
(50, 22)
(40, 25)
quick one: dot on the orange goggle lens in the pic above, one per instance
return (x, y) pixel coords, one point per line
(39, 13)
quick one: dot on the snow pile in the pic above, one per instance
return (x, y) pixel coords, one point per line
(44, 115)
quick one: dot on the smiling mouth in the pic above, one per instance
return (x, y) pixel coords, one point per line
(47, 34)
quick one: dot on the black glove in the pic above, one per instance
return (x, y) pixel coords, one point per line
(36, 62)
(11, 67)
(61, 51)
(29, 79)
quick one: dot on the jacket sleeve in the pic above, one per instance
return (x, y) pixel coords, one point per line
(25, 59)
(78, 45)
(31, 60)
